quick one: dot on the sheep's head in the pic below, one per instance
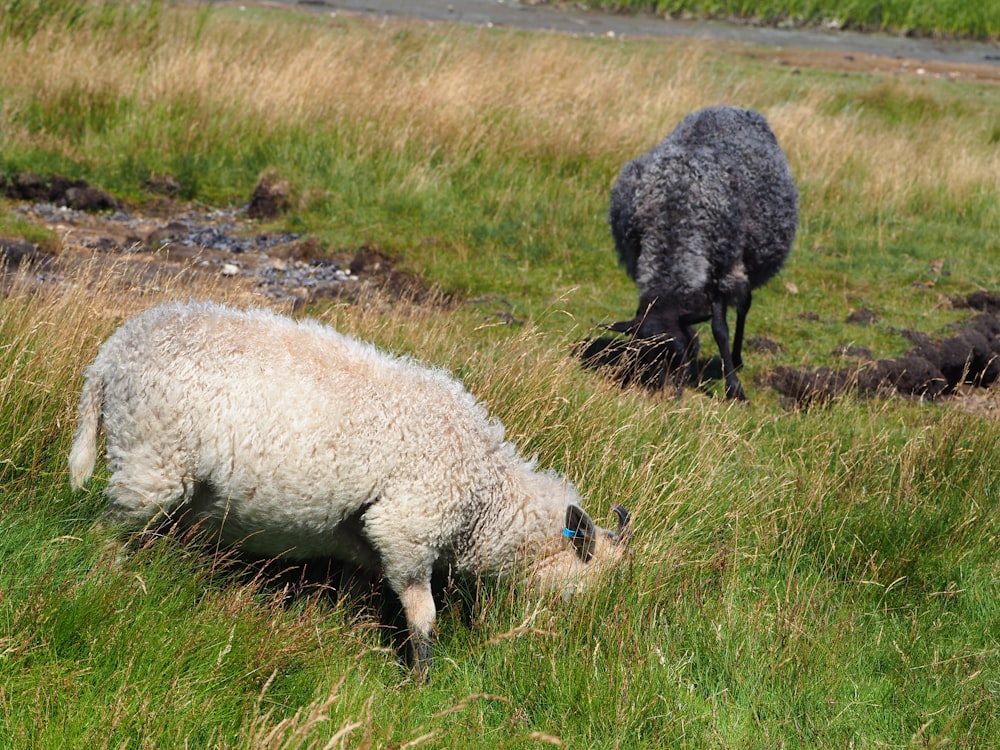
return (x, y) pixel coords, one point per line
(665, 344)
(587, 552)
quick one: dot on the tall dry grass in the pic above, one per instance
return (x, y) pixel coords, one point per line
(49, 331)
(848, 153)
(398, 86)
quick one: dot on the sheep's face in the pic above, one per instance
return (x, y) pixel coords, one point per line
(664, 340)
(586, 553)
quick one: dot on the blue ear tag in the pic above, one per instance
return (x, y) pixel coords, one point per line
(571, 533)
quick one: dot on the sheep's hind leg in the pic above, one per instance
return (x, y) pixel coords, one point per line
(720, 330)
(141, 497)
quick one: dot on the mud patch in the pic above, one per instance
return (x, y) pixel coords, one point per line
(982, 301)
(963, 363)
(57, 189)
(224, 245)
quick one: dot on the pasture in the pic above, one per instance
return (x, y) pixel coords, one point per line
(816, 575)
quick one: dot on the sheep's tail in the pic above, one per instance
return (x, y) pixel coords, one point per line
(84, 452)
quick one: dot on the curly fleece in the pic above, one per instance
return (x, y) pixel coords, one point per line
(700, 220)
(290, 438)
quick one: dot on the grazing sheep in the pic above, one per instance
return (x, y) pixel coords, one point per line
(289, 438)
(701, 219)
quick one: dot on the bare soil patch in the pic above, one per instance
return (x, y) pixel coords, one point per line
(961, 365)
(865, 62)
(172, 239)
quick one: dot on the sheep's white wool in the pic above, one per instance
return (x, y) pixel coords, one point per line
(290, 438)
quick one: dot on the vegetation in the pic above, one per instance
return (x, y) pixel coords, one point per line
(950, 18)
(800, 578)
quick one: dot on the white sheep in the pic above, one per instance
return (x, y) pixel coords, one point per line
(289, 438)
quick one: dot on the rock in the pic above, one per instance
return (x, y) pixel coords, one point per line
(89, 198)
(163, 184)
(283, 266)
(270, 198)
(58, 189)
(854, 352)
(764, 344)
(16, 251)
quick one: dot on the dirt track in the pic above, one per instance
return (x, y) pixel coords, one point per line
(801, 47)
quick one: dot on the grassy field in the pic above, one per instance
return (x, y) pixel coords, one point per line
(799, 578)
(949, 18)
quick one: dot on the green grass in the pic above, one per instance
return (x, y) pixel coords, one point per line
(956, 18)
(799, 578)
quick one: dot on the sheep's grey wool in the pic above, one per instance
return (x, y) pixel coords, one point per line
(700, 220)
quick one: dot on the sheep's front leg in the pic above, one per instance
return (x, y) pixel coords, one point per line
(402, 540)
(418, 605)
(720, 330)
(691, 353)
(742, 308)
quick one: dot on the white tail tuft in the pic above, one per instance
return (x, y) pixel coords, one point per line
(84, 452)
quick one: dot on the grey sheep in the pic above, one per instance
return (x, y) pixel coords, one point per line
(289, 438)
(700, 220)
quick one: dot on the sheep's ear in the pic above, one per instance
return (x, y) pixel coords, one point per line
(624, 326)
(581, 530)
